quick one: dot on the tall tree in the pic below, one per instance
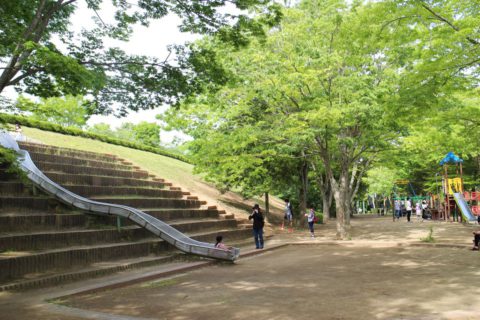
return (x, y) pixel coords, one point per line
(321, 90)
(32, 63)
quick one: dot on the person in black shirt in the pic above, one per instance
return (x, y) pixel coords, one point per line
(258, 223)
(476, 240)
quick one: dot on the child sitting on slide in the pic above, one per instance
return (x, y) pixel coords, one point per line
(220, 245)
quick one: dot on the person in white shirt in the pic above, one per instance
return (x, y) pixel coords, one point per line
(311, 220)
(408, 207)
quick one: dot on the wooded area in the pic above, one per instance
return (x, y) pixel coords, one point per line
(321, 102)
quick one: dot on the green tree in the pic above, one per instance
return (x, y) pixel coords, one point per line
(316, 91)
(147, 133)
(66, 111)
(125, 131)
(33, 64)
(101, 128)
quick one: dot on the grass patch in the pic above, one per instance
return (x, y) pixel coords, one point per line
(161, 283)
(58, 301)
(161, 166)
(429, 238)
(7, 251)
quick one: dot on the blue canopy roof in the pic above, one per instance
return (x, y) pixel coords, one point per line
(451, 158)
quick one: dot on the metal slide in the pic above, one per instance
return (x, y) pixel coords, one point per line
(464, 208)
(152, 224)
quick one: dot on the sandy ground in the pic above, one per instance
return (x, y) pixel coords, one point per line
(384, 272)
(311, 282)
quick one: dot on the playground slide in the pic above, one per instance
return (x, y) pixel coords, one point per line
(464, 208)
(152, 224)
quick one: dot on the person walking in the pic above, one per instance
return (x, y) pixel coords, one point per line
(258, 223)
(408, 207)
(311, 220)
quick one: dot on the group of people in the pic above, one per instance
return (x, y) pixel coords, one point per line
(421, 210)
(259, 223)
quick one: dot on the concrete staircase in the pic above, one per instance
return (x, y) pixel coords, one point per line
(43, 242)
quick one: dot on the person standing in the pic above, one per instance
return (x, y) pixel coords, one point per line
(408, 207)
(311, 220)
(288, 218)
(476, 240)
(424, 210)
(418, 210)
(397, 211)
(258, 223)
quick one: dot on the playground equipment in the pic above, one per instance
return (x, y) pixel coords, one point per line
(453, 190)
(403, 182)
(462, 205)
(152, 224)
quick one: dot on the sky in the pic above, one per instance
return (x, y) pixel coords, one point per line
(151, 41)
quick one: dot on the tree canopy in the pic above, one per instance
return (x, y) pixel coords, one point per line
(337, 88)
(34, 63)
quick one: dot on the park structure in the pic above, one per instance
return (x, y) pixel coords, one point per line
(455, 202)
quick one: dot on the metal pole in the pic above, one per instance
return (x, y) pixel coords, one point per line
(447, 193)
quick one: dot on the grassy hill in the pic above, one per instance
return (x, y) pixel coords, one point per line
(175, 171)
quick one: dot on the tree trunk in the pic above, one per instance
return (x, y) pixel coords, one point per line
(341, 192)
(303, 192)
(267, 205)
(327, 203)
(325, 191)
(341, 189)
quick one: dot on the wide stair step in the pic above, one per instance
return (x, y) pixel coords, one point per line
(29, 203)
(48, 167)
(89, 191)
(57, 151)
(71, 179)
(79, 161)
(94, 270)
(14, 187)
(14, 221)
(137, 202)
(17, 265)
(11, 241)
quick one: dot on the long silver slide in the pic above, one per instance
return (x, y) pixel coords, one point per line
(152, 224)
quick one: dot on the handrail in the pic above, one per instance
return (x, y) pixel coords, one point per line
(152, 224)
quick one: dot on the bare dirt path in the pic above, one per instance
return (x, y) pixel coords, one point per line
(311, 282)
(384, 272)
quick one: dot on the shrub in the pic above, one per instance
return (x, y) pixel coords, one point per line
(429, 238)
(8, 161)
(319, 217)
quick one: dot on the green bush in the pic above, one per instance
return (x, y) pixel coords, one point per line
(319, 217)
(29, 122)
(8, 161)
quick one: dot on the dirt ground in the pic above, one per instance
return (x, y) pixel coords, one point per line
(383, 272)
